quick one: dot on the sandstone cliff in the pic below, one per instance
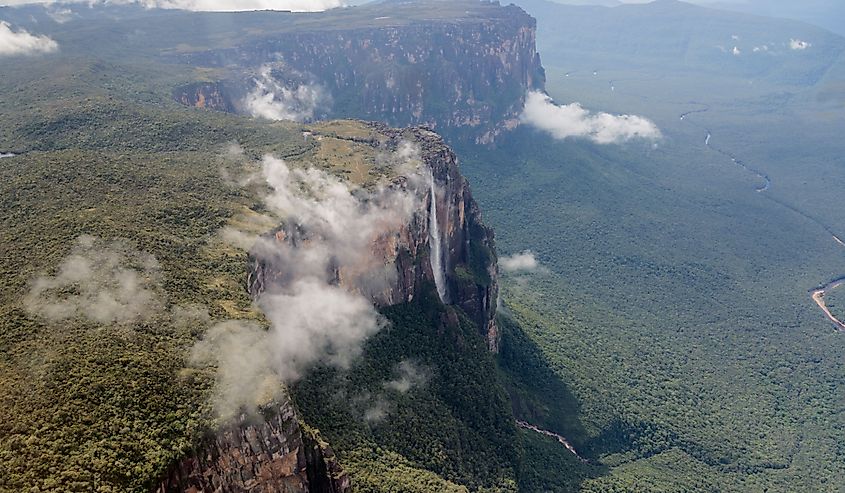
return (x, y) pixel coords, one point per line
(407, 64)
(447, 219)
(273, 453)
(267, 454)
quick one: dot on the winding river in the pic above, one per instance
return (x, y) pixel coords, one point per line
(817, 294)
(818, 297)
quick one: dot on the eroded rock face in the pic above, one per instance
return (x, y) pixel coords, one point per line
(468, 248)
(215, 96)
(269, 454)
(466, 78)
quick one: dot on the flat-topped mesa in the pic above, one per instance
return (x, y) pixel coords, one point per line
(272, 451)
(405, 256)
(461, 68)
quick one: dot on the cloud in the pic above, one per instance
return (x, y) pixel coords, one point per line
(102, 282)
(23, 43)
(210, 5)
(241, 352)
(410, 375)
(323, 274)
(240, 5)
(574, 121)
(375, 407)
(275, 101)
(312, 322)
(736, 51)
(521, 262)
(798, 45)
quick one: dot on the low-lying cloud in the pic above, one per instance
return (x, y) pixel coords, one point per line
(573, 121)
(409, 375)
(275, 101)
(102, 282)
(520, 262)
(319, 305)
(209, 5)
(798, 45)
(21, 42)
(375, 407)
(240, 5)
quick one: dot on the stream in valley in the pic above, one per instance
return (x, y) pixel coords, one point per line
(818, 293)
(561, 440)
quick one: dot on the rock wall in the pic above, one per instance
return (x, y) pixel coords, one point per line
(468, 246)
(266, 454)
(465, 78)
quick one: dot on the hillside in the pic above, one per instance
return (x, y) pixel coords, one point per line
(673, 293)
(152, 257)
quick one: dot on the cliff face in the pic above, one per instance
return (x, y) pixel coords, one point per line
(208, 95)
(464, 77)
(447, 219)
(272, 454)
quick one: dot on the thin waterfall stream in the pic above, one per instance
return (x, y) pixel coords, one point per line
(436, 245)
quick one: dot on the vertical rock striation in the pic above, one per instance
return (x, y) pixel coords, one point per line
(462, 264)
(465, 77)
(268, 454)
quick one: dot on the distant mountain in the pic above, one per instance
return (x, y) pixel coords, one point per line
(829, 14)
(669, 35)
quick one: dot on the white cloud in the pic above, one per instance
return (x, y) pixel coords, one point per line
(274, 101)
(374, 408)
(520, 262)
(736, 51)
(102, 282)
(311, 322)
(239, 5)
(798, 45)
(211, 5)
(573, 120)
(325, 274)
(23, 43)
(410, 375)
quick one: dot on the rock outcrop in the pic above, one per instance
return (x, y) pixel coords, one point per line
(216, 96)
(465, 76)
(267, 454)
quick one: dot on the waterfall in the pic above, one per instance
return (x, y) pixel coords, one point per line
(436, 246)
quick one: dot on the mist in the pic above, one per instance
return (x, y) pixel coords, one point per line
(320, 310)
(273, 100)
(101, 282)
(21, 42)
(208, 5)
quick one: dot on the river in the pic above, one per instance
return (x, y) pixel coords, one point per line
(818, 293)
(561, 440)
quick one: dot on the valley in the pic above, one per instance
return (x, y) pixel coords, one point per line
(715, 299)
(817, 295)
(255, 251)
